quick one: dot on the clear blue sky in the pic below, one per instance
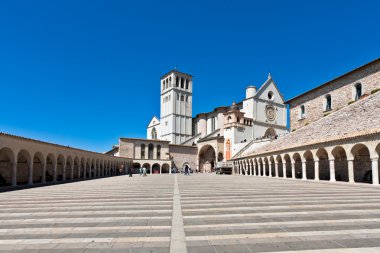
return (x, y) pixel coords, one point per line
(84, 73)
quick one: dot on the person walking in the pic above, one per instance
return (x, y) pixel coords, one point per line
(130, 171)
(144, 171)
(140, 171)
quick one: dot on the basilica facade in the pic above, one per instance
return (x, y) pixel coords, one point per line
(218, 134)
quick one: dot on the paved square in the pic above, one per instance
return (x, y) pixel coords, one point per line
(209, 213)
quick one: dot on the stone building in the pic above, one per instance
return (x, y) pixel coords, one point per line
(157, 156)
(221, 133)
(30, 162)
(335, 134)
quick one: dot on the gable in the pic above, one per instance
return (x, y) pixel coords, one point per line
(153, 122)
(270, 87)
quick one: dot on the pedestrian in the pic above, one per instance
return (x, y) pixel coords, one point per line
(130, 171)
(144, 171)
(186, 170)
(140, 171)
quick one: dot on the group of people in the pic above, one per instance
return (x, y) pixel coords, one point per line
(142, 171)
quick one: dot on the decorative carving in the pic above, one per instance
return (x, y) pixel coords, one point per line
(270, 113)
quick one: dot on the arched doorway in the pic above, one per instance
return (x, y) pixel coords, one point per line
(323, 164)
(206, 157)
(6, 160)
(340, 164)
(23, 161)
(156, 168)
(270, 133)
(38, 164)
(136, 167)
(165, 168)
(147, 166)
(362, 164)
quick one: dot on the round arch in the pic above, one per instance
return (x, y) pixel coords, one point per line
(165, 168)
(207, 159)
(310, 165)
(323, 164)
(38, 167)
(340, 164)
(23, 167)
(362, 163)
(7, 159)
(156, 168)
(60, 167)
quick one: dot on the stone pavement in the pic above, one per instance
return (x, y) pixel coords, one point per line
(197, 213)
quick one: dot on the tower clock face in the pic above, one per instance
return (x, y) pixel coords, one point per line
(270, 113)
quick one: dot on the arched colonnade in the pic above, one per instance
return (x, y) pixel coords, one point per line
(352, 162)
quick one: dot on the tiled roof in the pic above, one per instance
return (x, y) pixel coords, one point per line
(358, 119)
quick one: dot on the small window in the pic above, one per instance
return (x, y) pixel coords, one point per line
(328, 105)
(302, 112)
(177, 96)
(229, 119)
(142, 151)
(182, 83)
(270, 95)
(187, 84)
(176, 81)
(182, 98)
(358, 91)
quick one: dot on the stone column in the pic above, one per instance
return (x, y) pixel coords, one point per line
(316, 170)
(84, 171)
(375, 170)
(304, 170)
(44, 173)
(54, 172)
(250, 169)
(332, 170)
(72, 172)
(284, 169)
(293, 170)
(276, 169)
(64, 172)
(160, 169)
(254, 169)
(14, 174)
(270, 168)
(30, 173)
(351, 178)
(264, 169)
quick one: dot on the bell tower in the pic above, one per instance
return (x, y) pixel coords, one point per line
(176, 106)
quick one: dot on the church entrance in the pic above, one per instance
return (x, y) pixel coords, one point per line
(207, 159)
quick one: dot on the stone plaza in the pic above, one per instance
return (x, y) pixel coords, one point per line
(198, 213)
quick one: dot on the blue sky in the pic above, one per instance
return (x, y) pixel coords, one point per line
(84, 73)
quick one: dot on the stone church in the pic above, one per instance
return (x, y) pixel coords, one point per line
(222, 132)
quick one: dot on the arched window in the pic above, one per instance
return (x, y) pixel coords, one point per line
(154, 133)
(302, 112)
(182, 82)
(150, 151)
(358, 91)
(176, 81)
(229, 119)
(142, 151)
(158, 152)
(187, 84)
(328, 105)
